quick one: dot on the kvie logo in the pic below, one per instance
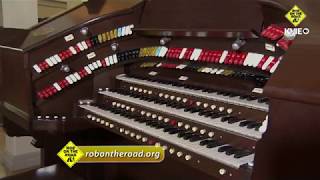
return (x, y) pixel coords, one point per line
(296, 16)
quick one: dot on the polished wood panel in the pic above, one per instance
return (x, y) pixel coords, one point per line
(155, 18)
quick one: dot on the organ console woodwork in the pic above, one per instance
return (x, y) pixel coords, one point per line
(167, 73)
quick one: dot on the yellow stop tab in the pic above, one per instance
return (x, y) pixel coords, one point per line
(70, 154)
(296, 15)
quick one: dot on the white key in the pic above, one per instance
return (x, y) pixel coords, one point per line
(220, 71)
(123, 31)
(266, 64)
(69, 80)
(183, 52)
(214, 71)
(252, 59)
(73, 78)
(119, 32)
(58, 59)
(274, 67)
(247, 60)
(56, 85)
(193, 54)
(37, 68)
(181, 66)
(111, 60)
(76, 74)
(84, 45)
(223, 57)
(257, 60)
(107, 61)
(88, 70)
(115, 58)
(198, 53)
(52, 59)
(130, 29)
(50, 63)
(99, 63)
(127, 30)
(207, 70)
(264, 126)
(158, 51)
(91, 67)
(80, 46)
(73, 50)
(95, 65)
(204, 70)
(164, 51)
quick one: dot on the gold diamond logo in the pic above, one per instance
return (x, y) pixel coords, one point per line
(70, 154)
(296, 15)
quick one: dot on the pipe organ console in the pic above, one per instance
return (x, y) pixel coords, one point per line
(215, 83)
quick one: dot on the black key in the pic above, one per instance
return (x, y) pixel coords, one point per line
(220, 92)
(208, 114)
(194, 110)
(206, 141)
(231, 151)
(210, 91)
(206, 90)
(160, 126)
(144, 119)
(135, 116)
(116, 111)
(144, 98)
(188, 135)
(244, 96)
(179, 106)
(112, 90)
(224, 148)
(140, 119)
(232, 95)
(175, 131)
(217, 115)
(234, 120)
(156, 101)
(136, 96)
(187, 109)
(263, 100)
(196, 138)
(204, 112)
(253, 125)
(227, 118)
(226, 93)
(169, 128)
(162, 102)
(244, 123)
(182, 133)
(214, 144)
(172, 104)
(152, 123)
(127, 115)
(252, 98)
(242, 153)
